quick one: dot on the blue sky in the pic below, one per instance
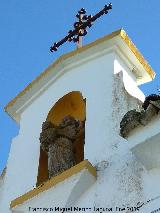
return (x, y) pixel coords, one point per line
(29, 27)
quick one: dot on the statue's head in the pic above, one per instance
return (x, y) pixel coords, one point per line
(47, 125)
(67, 121)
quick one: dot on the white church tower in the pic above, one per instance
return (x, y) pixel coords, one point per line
(97, 84)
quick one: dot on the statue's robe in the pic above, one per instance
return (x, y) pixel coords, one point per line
(60, 156)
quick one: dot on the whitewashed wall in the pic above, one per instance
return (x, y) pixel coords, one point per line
(121, 179)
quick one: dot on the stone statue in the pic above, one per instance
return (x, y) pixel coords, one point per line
(149, 99)
(58, 141)
(133, 118)
(130, 121)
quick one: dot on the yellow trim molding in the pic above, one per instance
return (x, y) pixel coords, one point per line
(120, 33)
(136, 52)
(53, 181)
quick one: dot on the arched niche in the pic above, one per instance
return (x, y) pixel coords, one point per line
(72, 104)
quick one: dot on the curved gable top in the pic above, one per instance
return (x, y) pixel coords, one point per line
(119, 38)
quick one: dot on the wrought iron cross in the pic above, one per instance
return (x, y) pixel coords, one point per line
(80, 27)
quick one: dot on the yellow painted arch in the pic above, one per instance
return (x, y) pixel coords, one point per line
(70, 104)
